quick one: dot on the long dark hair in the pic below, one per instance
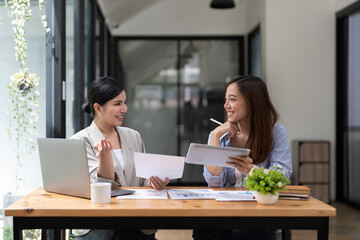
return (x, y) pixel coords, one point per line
(101, 91)
(263, 115)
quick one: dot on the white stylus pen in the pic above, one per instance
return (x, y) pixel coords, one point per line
(215, 121)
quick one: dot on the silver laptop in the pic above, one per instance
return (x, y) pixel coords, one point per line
(64, 167)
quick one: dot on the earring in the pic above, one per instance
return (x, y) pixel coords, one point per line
(99, 113)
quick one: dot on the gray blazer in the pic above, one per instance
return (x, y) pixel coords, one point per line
(130, 142)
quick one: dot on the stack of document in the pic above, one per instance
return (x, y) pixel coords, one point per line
(187, 194)
(145, 194)
(182, 194)
(234, 196)
(210, 194)
(295, 193)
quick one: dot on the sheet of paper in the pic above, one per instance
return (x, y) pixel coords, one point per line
(190, 193)
(147, 165)
(234, 195)
(145, 194)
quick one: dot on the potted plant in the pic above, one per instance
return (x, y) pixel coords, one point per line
(266, 183)
(23, 93)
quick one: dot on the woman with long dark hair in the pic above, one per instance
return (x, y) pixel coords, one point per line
(251, 123)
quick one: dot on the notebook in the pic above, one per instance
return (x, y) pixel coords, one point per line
(64, 167)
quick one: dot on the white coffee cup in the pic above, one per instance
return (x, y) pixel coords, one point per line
(100, 192)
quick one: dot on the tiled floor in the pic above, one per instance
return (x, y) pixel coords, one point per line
(345, 226)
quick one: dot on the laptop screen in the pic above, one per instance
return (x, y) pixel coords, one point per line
(64, 166)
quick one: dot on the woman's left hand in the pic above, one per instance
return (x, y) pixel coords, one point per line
(157, 183)
(242, 163)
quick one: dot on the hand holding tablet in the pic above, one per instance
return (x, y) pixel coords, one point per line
(203, 154)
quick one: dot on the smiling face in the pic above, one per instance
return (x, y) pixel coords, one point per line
(113, 111)
(235, 104)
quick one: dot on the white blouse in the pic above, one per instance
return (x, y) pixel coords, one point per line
(119, 156)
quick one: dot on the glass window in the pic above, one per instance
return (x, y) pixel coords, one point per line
(150, 70)
(70, 89)
(35, 61)
(255, 52)
(172, 95)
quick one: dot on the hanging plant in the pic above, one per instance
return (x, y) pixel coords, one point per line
(23, 93)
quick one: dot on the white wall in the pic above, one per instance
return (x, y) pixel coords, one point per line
(185, 17)
(255, 14)
(300, 68)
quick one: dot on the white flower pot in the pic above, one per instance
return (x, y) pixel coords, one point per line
(266, 199)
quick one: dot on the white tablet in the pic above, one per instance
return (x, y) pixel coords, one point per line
(203, 154)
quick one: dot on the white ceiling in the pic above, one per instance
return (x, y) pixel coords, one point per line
(172, 17)
(119, 11)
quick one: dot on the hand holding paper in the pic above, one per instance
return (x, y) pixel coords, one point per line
(163, 166)
(157, 183)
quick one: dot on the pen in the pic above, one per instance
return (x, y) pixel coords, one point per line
(215, 121)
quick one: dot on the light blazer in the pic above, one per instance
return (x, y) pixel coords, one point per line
(130, 142)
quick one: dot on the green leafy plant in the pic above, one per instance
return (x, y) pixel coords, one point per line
(23, 94)
(266, 180)
(7, 233)
(33, 234)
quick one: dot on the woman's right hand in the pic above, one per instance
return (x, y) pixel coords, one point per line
(227, 127)
(103, 148)
(106, 166)
(218, 132)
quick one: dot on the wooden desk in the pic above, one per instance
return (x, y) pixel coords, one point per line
(45, 210)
